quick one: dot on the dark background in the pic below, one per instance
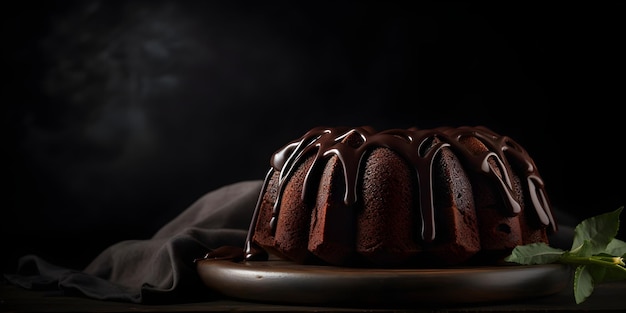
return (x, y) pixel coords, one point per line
(120, 114)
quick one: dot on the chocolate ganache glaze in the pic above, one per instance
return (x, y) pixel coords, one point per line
(419, 148)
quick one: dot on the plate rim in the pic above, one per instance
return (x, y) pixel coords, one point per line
(285, 282)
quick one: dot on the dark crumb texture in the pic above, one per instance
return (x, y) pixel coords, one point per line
(401, 198)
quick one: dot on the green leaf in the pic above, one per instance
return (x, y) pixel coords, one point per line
(583, 284)
(595, 233)
(534, 253)
(616, 247)
(587, 248)
(597, 255)
(598, 273)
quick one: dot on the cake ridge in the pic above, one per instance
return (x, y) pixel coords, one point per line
(419, 147)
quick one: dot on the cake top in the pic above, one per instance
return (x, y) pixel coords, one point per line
(418, 147)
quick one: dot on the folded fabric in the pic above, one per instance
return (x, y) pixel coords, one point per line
(160, 269)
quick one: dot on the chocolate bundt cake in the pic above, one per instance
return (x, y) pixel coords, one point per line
(401, 197)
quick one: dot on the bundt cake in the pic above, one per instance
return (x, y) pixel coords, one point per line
(401, 197)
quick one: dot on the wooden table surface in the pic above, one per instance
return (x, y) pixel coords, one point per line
(608, 297)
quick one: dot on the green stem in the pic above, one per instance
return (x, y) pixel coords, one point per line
(591, 260)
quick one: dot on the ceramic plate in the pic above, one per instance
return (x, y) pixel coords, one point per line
(278, 281)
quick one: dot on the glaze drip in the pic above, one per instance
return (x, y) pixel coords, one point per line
(419, 147)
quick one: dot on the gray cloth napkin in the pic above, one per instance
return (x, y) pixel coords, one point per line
(160, 269)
